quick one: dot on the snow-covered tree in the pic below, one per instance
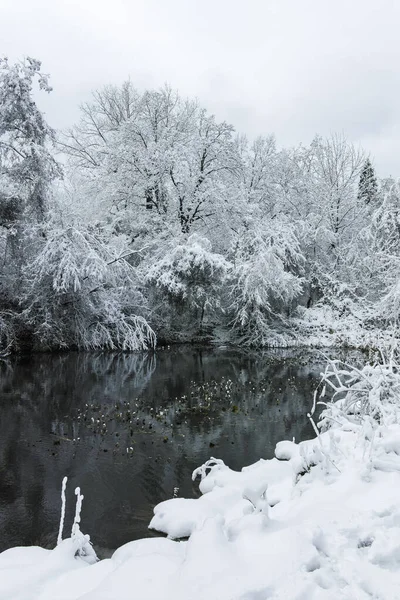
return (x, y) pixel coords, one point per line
(26, 165)
(27, 169)
(336, 167)
(152, 157)
(319, 195)
(265, 280)
(383, 262)
(202, 173)
(258, 167)
(120, 150)
(368, 185)
(82, 293)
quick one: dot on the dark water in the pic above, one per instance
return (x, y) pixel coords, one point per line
(76, 415)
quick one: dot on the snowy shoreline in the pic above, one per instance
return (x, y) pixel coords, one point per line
(320, 520)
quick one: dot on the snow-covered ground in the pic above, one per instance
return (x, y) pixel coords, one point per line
(327, 326)
(319, 521)
(351, 326)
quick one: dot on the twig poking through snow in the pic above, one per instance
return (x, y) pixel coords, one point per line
(60, 531)
(314, 405)
(78, 508)
(309, 416)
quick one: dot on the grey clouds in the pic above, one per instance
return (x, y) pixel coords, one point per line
(289, 67)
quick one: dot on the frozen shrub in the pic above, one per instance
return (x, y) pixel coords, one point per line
(371, 393)
(83, 293)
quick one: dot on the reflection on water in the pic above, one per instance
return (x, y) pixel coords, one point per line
(130, 428)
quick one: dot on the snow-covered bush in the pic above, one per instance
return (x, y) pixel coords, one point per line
(190, 275)
(82, 292)
(265, 280)
(370, 394)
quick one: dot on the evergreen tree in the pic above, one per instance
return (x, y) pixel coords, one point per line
(368, 185)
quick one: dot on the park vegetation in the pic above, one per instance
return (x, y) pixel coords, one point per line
(150, 220)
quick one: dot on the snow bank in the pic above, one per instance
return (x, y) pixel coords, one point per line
(321, 520)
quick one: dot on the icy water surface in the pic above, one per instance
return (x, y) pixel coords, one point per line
(129, 429)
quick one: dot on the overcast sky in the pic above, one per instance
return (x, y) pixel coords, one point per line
(289, 67)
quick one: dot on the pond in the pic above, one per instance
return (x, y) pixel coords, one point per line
(130, 429)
